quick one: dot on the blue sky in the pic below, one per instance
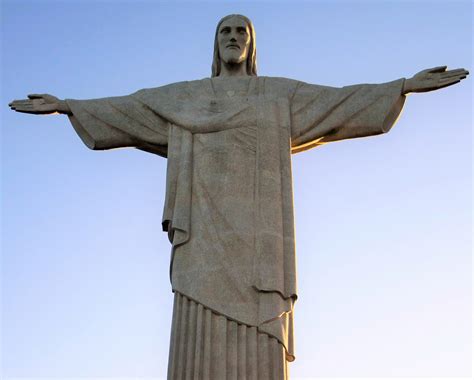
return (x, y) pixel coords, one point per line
(383, 224)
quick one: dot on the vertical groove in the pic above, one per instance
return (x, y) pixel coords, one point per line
(199, 343)
(283, 363)
(263, 357)
(207, 358)
(280, 360)
(205, 345)
(252, 354)
(181, 362)
(274, 349)
(174, 334)
(232, 350)
(242, 352)
(191, 338)
(219, 335)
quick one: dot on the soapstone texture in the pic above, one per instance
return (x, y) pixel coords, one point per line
(228, 209)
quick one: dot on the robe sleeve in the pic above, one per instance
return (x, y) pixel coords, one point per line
(321, 114)
(116, 122)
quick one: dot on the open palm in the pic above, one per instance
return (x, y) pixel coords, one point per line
(434, 79)
(38, 104)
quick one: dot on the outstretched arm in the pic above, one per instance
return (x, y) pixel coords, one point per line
(323, 114)
(41, 104)
(433, 79)
(106, 123)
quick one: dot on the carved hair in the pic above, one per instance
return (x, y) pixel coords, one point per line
(251, 64)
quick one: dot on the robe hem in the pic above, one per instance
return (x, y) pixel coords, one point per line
(288, 356)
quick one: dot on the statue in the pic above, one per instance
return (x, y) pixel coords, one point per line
(228, 208)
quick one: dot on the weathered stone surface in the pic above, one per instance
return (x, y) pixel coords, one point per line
(228, 208)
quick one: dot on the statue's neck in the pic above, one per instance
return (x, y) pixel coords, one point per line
(233, 70)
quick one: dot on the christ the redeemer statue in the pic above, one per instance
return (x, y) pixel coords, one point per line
(229, 205)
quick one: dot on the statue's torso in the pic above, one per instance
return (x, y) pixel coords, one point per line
(221, 247)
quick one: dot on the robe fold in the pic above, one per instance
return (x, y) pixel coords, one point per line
(229, 203)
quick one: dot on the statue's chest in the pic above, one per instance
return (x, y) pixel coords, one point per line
(228, 140)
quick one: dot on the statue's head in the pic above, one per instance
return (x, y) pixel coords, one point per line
(234, 43)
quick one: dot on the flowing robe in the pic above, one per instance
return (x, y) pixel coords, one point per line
(228, 208)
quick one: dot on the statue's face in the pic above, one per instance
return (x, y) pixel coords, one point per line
(234, 40)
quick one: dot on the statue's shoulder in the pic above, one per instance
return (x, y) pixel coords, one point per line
(195, 88)
(280, 81)
(279, 86)
(165, 89)
(177, 89)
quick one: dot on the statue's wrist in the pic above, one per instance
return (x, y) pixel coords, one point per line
(407, 86)
(63, 108)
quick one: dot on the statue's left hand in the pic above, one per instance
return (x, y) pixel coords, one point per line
(434, 79)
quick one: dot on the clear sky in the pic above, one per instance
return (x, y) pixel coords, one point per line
(383, 224)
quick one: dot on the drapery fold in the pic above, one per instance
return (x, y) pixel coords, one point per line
(205, 345)
(289, 117)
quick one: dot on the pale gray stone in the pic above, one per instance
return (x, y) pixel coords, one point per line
(229, 205)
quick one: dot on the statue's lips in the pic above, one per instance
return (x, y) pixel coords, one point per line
(233, 47)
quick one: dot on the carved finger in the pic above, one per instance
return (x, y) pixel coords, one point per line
(450, 83)
(19, 105)
(26, 111)
(452, 73)
(23, 107)
(21, 102)
(36, 96)
(460, 69)
(437, 69)
(453, 77)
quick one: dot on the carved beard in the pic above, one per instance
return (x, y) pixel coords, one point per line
(232, 59)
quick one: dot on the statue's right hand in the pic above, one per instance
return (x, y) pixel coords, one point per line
(38, 104)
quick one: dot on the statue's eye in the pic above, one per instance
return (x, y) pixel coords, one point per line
(225, 30)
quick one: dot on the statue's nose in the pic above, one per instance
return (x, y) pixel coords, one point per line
(233, 39)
